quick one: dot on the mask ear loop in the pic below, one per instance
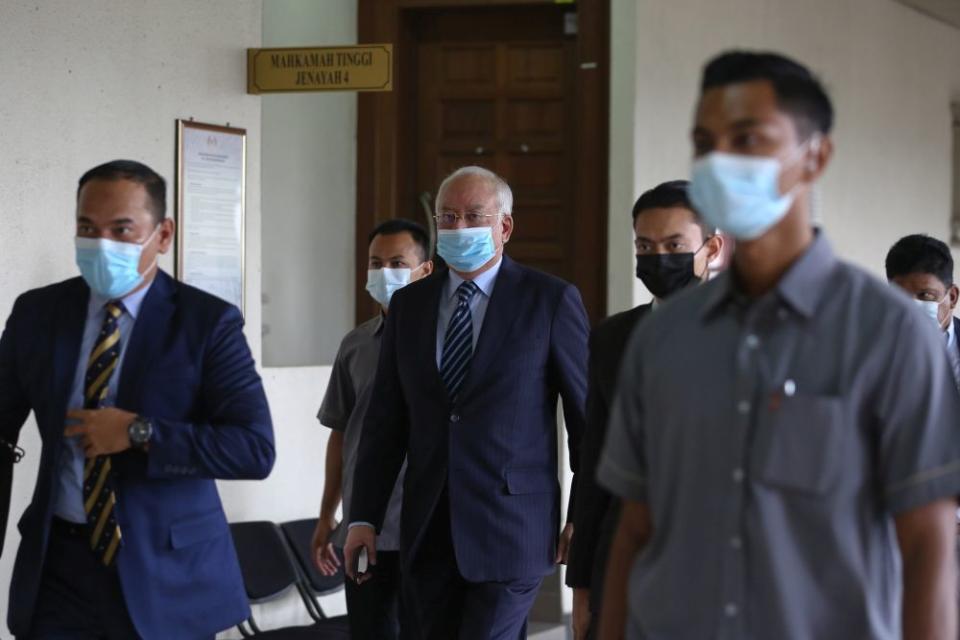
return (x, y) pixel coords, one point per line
(813, 142)
(156, 258)
(706, 269)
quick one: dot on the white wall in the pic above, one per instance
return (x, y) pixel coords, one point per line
(309, 195)
(890, 70)
(86, 82)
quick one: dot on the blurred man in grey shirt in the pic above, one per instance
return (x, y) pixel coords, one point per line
(784, 437)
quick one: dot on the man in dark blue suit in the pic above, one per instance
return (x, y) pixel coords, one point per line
(469, 395)
(144, 391)
(923, 267)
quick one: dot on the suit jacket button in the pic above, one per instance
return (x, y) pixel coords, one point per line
(454, 417)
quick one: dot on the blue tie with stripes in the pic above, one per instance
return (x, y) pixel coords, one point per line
(458, 341)
(99, 496)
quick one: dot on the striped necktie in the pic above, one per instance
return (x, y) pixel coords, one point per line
(458, 341)
(99, 496)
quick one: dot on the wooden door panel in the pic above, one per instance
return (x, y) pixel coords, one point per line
(502, 105)
(473, 65)
(528, 120)
(534, 173)
(471, 120)
(535, 66)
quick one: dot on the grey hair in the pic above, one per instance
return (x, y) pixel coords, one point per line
(504, 194)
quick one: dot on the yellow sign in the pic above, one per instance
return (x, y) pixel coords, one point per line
(365, 67)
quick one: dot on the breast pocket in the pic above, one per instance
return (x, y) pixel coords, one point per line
(799, 443)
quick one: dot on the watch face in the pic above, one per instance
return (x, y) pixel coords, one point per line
(139, 432)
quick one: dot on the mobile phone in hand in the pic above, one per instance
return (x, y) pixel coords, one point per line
(361, 562)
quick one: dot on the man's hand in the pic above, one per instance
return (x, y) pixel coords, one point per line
(101, 431)
(563, 544)
(324, 555)
(360, 536)
(581, 613)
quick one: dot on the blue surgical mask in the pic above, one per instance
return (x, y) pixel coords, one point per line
(383, 283)
(931, 309)
(111, 267)
(740, 195)
(466, 249)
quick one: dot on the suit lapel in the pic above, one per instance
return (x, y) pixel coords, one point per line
(71, 320)
(501, 310)
(146, 340)
(956, 333)
(428, 329)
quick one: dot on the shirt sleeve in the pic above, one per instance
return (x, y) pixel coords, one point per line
(918, 408)
(623, 469)
(340, 398)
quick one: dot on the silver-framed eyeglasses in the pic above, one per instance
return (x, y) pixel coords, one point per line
(473, 219)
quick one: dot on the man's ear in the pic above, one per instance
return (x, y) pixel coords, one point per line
(507, 228)
(953, 293)
(167, 234)
(714, 247)
(821, 151)
(427, 268)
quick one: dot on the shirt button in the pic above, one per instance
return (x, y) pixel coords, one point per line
(730, 610)
(743, 407)
(753, 341)
(736, 542)
(454, 417)
(738, 475)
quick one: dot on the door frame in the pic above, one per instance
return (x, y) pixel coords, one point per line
(380, 136)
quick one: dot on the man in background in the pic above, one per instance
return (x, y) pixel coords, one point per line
(674, 251)
(398, 254)
(923, 267)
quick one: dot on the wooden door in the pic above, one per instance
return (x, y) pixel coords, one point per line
(517, 86)
(494, 89)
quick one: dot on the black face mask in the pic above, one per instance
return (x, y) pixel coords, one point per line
(666, 273)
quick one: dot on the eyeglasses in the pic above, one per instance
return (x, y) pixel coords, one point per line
(472, 219)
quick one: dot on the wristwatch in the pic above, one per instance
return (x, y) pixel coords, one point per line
(139, 432)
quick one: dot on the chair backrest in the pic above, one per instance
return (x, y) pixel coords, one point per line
(265, 561)
(299, 534)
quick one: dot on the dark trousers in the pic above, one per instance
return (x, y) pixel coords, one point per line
(439, 604)
(373, 607)
(79, 598)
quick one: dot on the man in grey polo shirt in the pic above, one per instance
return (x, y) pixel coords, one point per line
(398, 254)
(799, 482)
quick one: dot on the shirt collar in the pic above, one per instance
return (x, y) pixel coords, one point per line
(484, 281)
(951, 333)
(801, 287)
(131, 301)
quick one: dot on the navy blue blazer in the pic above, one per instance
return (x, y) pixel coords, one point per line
(495, 448)
(189, 369)
(596, 513)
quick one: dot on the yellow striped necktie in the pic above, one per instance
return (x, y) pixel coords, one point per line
(99, 495)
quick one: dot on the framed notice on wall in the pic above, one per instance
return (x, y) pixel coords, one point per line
(211, 181)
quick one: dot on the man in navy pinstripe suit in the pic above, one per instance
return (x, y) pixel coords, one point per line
(469, 396)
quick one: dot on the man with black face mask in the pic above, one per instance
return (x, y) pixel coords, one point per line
(674, 251)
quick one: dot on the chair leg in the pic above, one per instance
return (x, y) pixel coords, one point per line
(313, 608)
